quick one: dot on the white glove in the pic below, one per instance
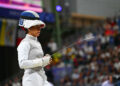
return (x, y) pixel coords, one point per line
(46, 60)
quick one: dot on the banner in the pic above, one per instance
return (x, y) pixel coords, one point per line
(8, 32)
(2, 33)
(15, 14)
(0, 24)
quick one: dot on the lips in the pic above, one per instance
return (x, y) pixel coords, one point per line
(39, 33)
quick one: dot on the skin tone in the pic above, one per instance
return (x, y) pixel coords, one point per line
(34, 30)
(110, 79)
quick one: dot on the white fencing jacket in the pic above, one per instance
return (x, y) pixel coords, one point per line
(30, 56)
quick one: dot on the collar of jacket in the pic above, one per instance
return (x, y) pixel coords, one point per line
(31, 37)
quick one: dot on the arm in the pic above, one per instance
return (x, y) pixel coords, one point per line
(24, 63)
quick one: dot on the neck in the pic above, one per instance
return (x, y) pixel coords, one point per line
(31, 34)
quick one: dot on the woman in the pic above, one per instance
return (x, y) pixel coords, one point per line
(30, 54)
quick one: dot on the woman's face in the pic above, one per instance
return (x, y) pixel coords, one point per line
(34, 31)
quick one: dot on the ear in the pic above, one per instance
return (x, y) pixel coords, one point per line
(29, 30)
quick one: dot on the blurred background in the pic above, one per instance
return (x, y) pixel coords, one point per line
(86, 63)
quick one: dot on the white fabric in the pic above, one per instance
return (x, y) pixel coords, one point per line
(53, 46)
(81, 53)
(107, 83)
(103, 39)
(117, 65)
(89, 36)
(29, 23)
(46, 60)
(16, 84)
(75, 76)
(30, 56)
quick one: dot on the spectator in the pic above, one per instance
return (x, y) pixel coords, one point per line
(52, 45)
(16, 82)
(108, 82)
(6, 84)
(10, 82)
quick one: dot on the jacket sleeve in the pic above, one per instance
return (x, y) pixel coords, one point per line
(23, 52)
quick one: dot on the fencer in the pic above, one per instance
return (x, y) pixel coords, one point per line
(30, 54)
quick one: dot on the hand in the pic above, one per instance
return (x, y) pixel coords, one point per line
(50, 57)
(46, 59)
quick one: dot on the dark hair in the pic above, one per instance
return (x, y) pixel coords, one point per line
(26, 30)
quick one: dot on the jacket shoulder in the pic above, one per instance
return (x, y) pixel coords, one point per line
(24, 43)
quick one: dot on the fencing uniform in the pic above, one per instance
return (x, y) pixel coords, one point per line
(31, 59)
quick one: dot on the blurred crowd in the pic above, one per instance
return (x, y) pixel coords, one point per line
(86, 62)
(90, 62)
